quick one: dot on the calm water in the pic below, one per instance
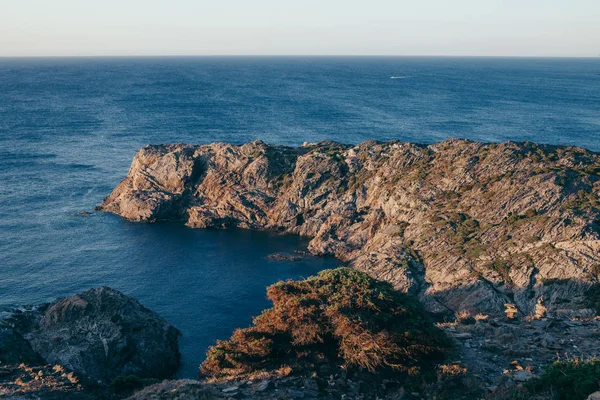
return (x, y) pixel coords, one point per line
(69, 128)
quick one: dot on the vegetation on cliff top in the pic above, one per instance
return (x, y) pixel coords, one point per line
(340, 317)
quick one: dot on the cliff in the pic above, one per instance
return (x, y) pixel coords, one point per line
(462, 225)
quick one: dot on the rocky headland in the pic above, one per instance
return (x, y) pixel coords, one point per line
(465, 226)
(500, 242)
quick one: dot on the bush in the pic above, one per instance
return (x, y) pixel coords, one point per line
(341, 316)
(569, 380)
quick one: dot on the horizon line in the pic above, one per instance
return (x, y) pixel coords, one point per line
(297, 56)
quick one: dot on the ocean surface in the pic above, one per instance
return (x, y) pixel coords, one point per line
(70, 127)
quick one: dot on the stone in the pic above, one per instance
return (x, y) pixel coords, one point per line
(101, 334)
(594, 396)
(263, 385)
(285, 257)
(463, 336)
(522, 375)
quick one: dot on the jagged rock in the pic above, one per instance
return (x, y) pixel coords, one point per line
(463, 225)
(285, 257)
(101, 334)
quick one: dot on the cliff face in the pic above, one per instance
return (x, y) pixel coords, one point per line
(463, 225)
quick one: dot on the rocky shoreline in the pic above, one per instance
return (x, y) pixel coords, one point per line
(505, 236)
(465, 226)
(499, 242)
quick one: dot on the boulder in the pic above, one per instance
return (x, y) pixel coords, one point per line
(101, 334)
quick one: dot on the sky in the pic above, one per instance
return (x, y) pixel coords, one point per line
(300, 27)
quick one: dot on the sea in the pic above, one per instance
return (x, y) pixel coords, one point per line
(69, 128)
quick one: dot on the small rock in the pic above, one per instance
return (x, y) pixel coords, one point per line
(463, 336)
(284, 257)
(264, 385)
(522, 375)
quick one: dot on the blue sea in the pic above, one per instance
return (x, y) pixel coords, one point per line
(70, 127)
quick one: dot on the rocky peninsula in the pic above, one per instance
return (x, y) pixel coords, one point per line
(498, 243)
(465, 226)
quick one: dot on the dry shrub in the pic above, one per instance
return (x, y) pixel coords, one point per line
(341, 316)
(464, 317)
(481, 317)
(452, 369)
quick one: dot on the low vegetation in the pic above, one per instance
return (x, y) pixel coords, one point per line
(570, 379)
(341, 317)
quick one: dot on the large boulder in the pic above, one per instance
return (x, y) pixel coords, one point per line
(101, 334)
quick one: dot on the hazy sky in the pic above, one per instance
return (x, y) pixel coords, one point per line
(352, 27)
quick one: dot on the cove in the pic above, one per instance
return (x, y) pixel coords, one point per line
(205, 282)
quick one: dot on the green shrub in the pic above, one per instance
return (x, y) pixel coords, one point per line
(341, 316)
(502, 267)
(569, 380)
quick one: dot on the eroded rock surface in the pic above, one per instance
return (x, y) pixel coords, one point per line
(101, 334)
(463, 225)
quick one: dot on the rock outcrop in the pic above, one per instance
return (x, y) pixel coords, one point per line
(463, 225)
(100, 334)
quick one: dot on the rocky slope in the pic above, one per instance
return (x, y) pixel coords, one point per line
(96, 336)
(463, 225)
